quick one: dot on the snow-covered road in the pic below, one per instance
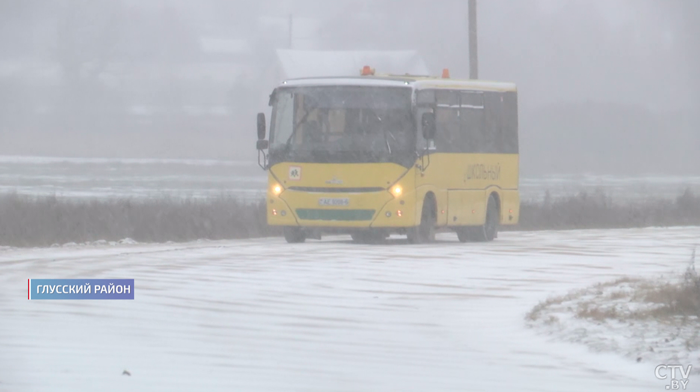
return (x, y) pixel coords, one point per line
(262, 315)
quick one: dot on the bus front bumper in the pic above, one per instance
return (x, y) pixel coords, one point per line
(341, 210)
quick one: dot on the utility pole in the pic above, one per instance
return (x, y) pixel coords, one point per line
(291, 27)
(473, 54)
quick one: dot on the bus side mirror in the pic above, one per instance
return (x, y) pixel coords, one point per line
(261, 126)
(262, 144)
(428, 125)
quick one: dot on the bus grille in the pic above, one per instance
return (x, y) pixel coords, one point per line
(334, 215)
(334, 190)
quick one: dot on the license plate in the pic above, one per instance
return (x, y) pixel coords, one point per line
(327, 201)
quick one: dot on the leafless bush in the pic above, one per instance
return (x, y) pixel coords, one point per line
(598, 210)
(681, 299)
(43, 221)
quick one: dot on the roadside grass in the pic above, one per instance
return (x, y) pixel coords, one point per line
(43, 221)
(610, 300)
(639, 317)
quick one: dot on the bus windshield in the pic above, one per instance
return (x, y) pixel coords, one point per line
(342, 124)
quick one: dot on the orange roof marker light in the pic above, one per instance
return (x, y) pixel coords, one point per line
(366, 71)
(445, 73)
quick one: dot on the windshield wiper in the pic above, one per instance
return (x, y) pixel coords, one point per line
(296, 127)
(387, 142)
(381, 124)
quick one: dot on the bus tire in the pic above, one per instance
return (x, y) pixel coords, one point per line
(489, 230)
(294, 235)
(425, 231)
(465, 234)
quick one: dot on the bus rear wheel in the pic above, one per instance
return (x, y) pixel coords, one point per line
(489, 230)
(466, 234)
(425, 231)
(294, 235)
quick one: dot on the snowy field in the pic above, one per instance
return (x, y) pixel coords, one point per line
(132, 178)
(262, 315)
(137, 178)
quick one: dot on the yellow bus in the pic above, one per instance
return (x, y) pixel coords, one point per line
(373, 155)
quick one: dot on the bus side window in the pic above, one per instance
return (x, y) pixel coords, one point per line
(510, 122)
(475, 137)
(494, 122)
(447, 137)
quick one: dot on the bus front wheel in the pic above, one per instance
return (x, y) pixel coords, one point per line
(425, 231)
(294, 235)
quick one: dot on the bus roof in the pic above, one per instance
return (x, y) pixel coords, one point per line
(415, 82)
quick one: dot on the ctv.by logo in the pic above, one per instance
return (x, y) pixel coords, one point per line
(675, 383)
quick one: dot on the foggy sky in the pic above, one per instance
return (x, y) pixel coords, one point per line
(640, 56)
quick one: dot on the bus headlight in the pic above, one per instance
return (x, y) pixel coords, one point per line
(277, 189)
(396, 190)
